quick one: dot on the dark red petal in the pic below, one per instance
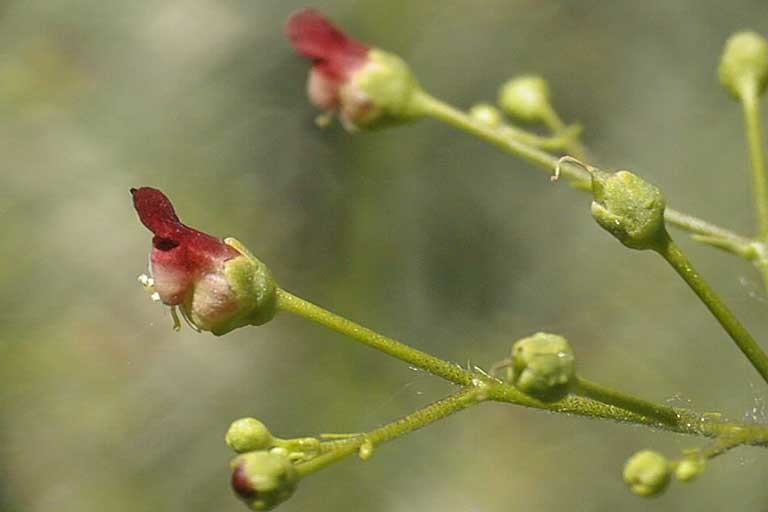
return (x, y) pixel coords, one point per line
(241, 484)
(313, 36)
(155, 211)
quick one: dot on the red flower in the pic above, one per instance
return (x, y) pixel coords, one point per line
(367, 86)
(335, 56)
(216, 284)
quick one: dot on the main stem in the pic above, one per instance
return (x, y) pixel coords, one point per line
(441, 111)
(750, 100)
(671, 252)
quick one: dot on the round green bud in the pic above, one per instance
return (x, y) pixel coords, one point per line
(647, 473)
(382, 93)
(690, 467)
(263, 479)
(744, 63)
(525, 98)
(486, 114)
(247, 435)
(543, 366)
(629, 208)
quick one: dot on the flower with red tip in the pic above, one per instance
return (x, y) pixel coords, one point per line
(367, 86)
(217, 284)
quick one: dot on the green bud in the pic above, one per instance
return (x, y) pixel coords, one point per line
(486, 114)
(744, 63)
(382, 93)
(690, 467)
(247, 435)
(526, 98)
(647, 473)
(629, 208)
(263, 479)
(543, 366)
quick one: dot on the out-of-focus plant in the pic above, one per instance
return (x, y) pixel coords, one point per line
(218, 285)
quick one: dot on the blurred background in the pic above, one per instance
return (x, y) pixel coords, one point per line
(420, 232)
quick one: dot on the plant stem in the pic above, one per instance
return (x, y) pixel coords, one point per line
(556, 125)
(579, 178)
(750, 100)
(661, 413)
(468, 396)
(671, 252)
(288, 302)
(621, 407)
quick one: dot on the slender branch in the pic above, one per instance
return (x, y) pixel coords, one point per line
(750, 101)
(556, 125)
(578, 177)
(661, 413)
(452, 372)
(620, 407)
(468, 396)
(671, 252)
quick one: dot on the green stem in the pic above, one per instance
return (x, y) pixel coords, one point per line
(468, 396)
(288, 302)
(684, 421)
(579, 178)
(750, 100)
(552, 120)
(661, 413)
(671, 252)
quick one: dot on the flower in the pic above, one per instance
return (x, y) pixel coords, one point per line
(217, 284)
(368, 87)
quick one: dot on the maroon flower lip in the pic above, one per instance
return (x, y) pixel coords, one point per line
(334, 54)
(156, 212)
(180, 254)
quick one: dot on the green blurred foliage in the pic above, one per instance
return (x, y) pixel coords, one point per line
(419, 232)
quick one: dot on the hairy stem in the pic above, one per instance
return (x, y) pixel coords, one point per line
(671, 252)
(661, 413)
(619, 407)
(468, 396)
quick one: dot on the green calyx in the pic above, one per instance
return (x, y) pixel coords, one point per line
(744, 64)
(647, 473)
(542, 366)
(382, 93)
(526, 98)
(254, 290)
(263, 479)
(629, 208)
(247, 435)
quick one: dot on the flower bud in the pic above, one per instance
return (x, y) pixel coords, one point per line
(369, 88)
(543, 366)
(744, 63)
(526, 98)
(486, 114)
(647, 473)
(263, 479)
(247, 435)
(218, 285)
(690, 466)
(629, 208)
